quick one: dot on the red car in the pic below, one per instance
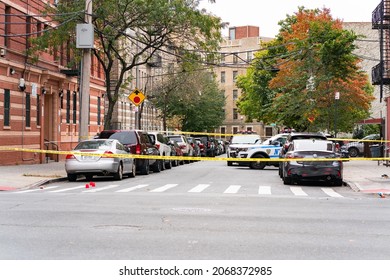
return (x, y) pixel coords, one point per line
(176, 151)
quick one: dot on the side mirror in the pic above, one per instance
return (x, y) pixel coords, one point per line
(276, 143)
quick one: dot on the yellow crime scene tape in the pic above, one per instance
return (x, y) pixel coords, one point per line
(188, 157)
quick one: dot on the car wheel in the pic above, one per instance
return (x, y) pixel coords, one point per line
(133, 170)
(168, 164)
(157, 166)
(353, 152)
(89, 177)
(162, 164)
(119, 174)
(72, 177)
(145, 169)
(229, 163)
(338, 182)
(258, 164)
(287, 180)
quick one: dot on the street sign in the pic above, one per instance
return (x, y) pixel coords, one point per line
(136, 97)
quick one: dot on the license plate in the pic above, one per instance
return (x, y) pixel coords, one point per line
(87, 157)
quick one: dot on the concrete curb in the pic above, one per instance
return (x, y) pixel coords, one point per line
(44, 182)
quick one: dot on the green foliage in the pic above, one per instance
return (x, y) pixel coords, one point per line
(131, 32)
(314, 57)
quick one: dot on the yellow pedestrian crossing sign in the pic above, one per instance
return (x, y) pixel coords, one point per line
(136, 97)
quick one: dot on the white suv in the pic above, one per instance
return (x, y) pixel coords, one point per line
(240, 141)
(163, 147)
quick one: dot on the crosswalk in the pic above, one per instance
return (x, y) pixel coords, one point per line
(198, 188)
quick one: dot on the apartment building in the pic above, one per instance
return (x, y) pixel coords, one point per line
(39, 101)
(237, 52)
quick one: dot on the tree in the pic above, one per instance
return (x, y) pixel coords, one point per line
(131, 32)
(193, 98)
(314, 61)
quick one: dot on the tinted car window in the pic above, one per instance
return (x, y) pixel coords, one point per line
(125, 138)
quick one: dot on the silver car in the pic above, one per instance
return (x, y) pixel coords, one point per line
(357, 148)
(97, 157)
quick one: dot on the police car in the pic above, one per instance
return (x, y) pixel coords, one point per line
(261, 152)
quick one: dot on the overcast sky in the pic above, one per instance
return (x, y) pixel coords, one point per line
(267, 13)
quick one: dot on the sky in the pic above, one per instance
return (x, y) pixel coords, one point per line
(267, 13)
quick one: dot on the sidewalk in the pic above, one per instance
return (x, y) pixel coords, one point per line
(364, 176)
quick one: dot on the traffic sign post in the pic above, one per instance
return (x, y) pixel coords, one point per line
(136, 97)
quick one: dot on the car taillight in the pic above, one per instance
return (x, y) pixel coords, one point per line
(107, 154)
(293, 156)
(70, 156)
(158, 146)
(138, 149)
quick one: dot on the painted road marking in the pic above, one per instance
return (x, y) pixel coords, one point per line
(68, 189)
(331, 192)
(199, 188)
(232, 189)
(34, 190)
(265, 190)
(298, 191)
(164, 188)
(95, 189)
(133, 188)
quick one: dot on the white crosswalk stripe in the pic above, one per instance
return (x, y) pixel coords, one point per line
(232, 189)
(94, 189)
(298, 191)
(199, 188)
(164, 188)
(331, 192)
(133, 188)
(265, 190)
(68, 189)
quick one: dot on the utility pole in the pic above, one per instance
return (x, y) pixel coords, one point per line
(85, 81)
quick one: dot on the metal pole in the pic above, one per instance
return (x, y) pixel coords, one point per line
(85, 81)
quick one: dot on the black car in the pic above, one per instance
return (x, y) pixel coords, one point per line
(140, 143)
(311, 160)
(295, 136)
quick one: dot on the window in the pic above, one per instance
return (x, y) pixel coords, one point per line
(249, 56)
(232, 33)
(223, 77)
(268, 131)
(28, 110)
(235, 114)
(38, 110)
(74, 107)
(68, 106)
(235, 74)
(7, 101)
(7, 27)
(98, 110)
(235, 94)
(235, 58)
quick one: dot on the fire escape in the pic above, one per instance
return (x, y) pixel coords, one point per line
(381, 22)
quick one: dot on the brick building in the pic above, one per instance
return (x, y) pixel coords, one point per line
(39, 101)
(237, 52)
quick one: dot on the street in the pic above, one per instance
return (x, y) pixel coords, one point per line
(202, 210)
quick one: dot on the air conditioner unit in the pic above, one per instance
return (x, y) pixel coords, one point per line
(2, 52)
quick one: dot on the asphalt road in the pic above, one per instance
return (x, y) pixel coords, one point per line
(203, 210)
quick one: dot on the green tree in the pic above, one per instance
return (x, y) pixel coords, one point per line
(314, 60)
(129, 33)
(193, 97)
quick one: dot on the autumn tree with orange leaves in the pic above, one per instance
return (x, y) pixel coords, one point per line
(314, 58)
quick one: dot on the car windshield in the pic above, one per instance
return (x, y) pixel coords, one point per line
(176, 138)
(94, 145)
(245, 139)
(312, 145)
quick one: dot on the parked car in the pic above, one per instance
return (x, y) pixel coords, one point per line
(95, 157)
(194, 146)
(202, 147)
(176, 151)
(161, 141)
(295, 136)
(357, 148)
(210, 148)
(140, 143)
(298, 169)
(239, 141)
(182, 141)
